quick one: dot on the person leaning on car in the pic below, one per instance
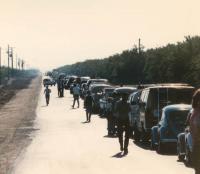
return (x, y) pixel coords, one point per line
(195, 131)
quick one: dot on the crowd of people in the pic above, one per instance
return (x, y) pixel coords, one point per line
(120, 120)
(122, 109)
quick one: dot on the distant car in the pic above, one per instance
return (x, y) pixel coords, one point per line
(171, 124)
(153, 99)
(47, 81)
(96, 81)
(103, 102)
(69, 82)
(84, 79)
(96, 93)
(125, 90)
(184, 146)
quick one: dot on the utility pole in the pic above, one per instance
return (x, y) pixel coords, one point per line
(11, 56)
(23, 63)
(0, 67)
(19, 63)
(8, 52)
(139, 46)
(16, 61)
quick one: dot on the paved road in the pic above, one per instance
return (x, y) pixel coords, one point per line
(65, 145)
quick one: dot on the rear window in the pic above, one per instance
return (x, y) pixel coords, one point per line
(136, 97)
(177, 117)
(46, 80)
(169, 96)
(98, 89)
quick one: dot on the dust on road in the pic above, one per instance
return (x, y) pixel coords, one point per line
(65, 145)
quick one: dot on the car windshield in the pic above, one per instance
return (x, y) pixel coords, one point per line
(108, 92)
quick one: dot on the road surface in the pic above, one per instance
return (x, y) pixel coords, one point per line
(65, 145)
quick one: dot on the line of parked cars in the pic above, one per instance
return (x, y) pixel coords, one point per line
(159, 114)
(158, 111)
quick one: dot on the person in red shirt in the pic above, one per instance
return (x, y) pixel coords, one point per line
(195, 131)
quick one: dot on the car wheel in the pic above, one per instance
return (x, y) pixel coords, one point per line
(160, 147)
(136, 135)
(145, 137)
(180, 156)
(153, 146)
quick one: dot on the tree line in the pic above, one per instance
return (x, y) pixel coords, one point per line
(173, 63)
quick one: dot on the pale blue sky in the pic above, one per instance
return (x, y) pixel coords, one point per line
(51, 33)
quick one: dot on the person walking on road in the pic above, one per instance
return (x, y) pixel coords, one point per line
(76, 94)
(88, 106)
(47, 92)
(123, 125)
(195, 131)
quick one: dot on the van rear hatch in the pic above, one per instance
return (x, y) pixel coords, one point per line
(162, 97)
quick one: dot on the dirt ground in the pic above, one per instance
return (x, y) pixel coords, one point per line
(18, 102)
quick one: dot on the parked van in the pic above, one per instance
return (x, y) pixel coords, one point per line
(151, 102)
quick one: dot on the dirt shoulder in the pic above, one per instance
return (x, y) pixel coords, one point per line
(17, 113)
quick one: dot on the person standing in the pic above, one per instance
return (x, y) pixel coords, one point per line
(76, 94)
(123, 125)
(88, 106)
(195, 131)
(47, 92)
(110, 117)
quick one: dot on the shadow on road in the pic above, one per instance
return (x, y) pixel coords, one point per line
(110, 136)
(119, 155)
(170, 151)
(143, 145)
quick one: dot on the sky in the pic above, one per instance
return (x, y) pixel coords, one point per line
(52, 33)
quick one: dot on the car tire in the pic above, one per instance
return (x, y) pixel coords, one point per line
(136, 135)
(160, 149)
(180, 156)
(145, 137)
(153, 146)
